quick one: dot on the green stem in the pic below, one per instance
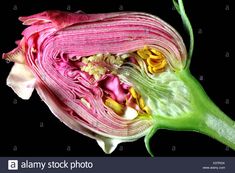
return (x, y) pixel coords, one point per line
(179, 6)
(210, 119)
(205, 117)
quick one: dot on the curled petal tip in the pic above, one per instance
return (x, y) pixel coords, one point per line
(16, 55)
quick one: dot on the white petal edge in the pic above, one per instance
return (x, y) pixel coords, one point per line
(108, 145)
(21, 80)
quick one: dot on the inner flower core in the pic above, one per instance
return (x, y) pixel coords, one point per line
(102, 71)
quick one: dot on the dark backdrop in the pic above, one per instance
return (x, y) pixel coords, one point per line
(28, 128)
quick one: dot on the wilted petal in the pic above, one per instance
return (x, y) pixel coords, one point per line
(21, 80)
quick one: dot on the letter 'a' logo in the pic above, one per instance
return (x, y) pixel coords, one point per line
(12, 164)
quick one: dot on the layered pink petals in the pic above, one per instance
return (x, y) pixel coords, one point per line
(94, 33)
(51, 48)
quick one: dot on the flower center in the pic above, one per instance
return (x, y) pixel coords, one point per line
(101, 71)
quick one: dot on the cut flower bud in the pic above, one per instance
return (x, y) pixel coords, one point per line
(114, 77)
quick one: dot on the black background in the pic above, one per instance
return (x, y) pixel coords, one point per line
(28, 128)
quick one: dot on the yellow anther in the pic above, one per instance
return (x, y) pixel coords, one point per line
(124, 56)
(133, 93)
(155, 56)
(139, 100)
(161, 65)
(85, 60)
(147, 110)
(115, 106)
(156, 70)
(92, 69)
(91, 58)
(111, 59)
(141, 103)
(153, 62)
(154, 59)
(144, 53)
(155, 52)
(96, 76)
(150, 69)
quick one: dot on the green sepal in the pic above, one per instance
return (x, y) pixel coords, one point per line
(148, 137)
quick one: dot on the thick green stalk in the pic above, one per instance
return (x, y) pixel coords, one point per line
(205, 117)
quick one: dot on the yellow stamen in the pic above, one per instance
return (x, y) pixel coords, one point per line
(141, 103)
(139, 100)
(133, 93)
(150, 69)
(147, 110)
(115, 106)
(96, 71)
(156, 70)
(159, 66)
(144, 53)
(155, 52)
(155, 56)
(155, 60)
(85, 60)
